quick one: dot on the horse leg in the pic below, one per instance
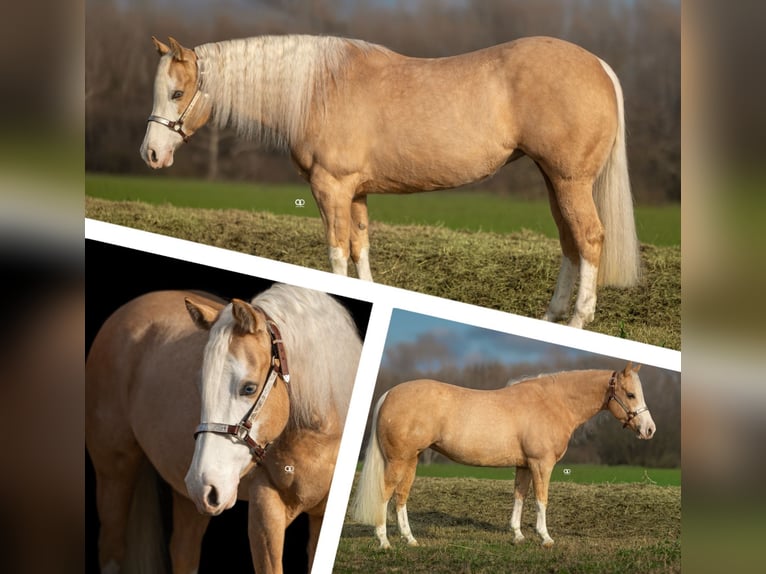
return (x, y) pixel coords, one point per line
(520, 489)
(116, 479)
(570, 260)
(360, 241)
(402, 492)
(334, 200)
(186, 540)
(315, 525)
(267, 521)
(541, 476)
(578, 212)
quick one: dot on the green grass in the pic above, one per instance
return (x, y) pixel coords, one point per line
(511, 272)
(459, 210)
(579, 473)
(462, 525)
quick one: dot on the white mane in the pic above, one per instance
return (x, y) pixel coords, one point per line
(322, 347)
(265, 87)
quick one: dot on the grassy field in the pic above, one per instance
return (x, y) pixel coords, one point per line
(462, 526)
(460, 210)
(578, 473)
(512, 272)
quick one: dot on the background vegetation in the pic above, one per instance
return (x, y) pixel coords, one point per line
(640, 40)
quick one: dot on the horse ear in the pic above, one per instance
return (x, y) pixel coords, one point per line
(177, 49)
(161, 48)
(244, 316)
(629, 367)
(203, 315)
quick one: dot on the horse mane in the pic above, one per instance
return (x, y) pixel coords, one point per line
(322, 347)
(555, 375)
(266, 87)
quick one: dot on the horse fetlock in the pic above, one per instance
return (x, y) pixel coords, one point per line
(518, 537)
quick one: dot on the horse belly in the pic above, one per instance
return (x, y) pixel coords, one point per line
(481, 446)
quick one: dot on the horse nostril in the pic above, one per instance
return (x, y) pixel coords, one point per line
(153, 155)
(212, 497)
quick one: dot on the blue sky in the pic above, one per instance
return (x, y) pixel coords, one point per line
(466, 344)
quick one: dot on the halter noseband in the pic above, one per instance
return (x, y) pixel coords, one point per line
(611, 396)
(278, 367)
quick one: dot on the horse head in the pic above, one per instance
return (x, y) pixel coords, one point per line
(626, 402)
(180, 107)
(245, 401)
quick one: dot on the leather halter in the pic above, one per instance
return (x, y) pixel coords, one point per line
(277, 368)
(611, 396)
(177, 125)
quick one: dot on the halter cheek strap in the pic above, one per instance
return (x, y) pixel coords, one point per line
(611, 396)
(277, 368)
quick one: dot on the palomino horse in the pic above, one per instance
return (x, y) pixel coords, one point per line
(270, 382)
(358, 118)
(526, 425)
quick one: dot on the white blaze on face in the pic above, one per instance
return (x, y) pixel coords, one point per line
(160, 142)
(644, 424)
(219, 459)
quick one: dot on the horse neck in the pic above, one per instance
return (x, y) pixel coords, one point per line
(584, 394)
(266, 87)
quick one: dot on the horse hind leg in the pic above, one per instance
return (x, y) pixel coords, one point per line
(402, 493)
(520, 489)
(580, 229)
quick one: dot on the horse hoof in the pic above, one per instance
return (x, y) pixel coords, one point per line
(547, 543)
(385, 545)
(518, 539)
(412, 542)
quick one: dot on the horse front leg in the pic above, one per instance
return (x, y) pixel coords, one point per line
(334, 199)
(267, 521)
(520, 489)
(315, 526)
(360, 241)
(541, 476)
(186, 540)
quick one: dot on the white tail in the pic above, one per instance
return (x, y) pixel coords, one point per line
(620, 256)
(145, 547)
(369, 506)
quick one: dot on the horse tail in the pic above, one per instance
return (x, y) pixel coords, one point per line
(620, 256)
(369, 502)
(146, 550)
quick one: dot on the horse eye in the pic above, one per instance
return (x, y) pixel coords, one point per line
(631, 396)
(177, 95)
(248, 389)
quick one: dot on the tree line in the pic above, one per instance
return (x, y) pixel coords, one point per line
(601, 440)
(640, 40)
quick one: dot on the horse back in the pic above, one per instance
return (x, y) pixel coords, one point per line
(461, 118)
